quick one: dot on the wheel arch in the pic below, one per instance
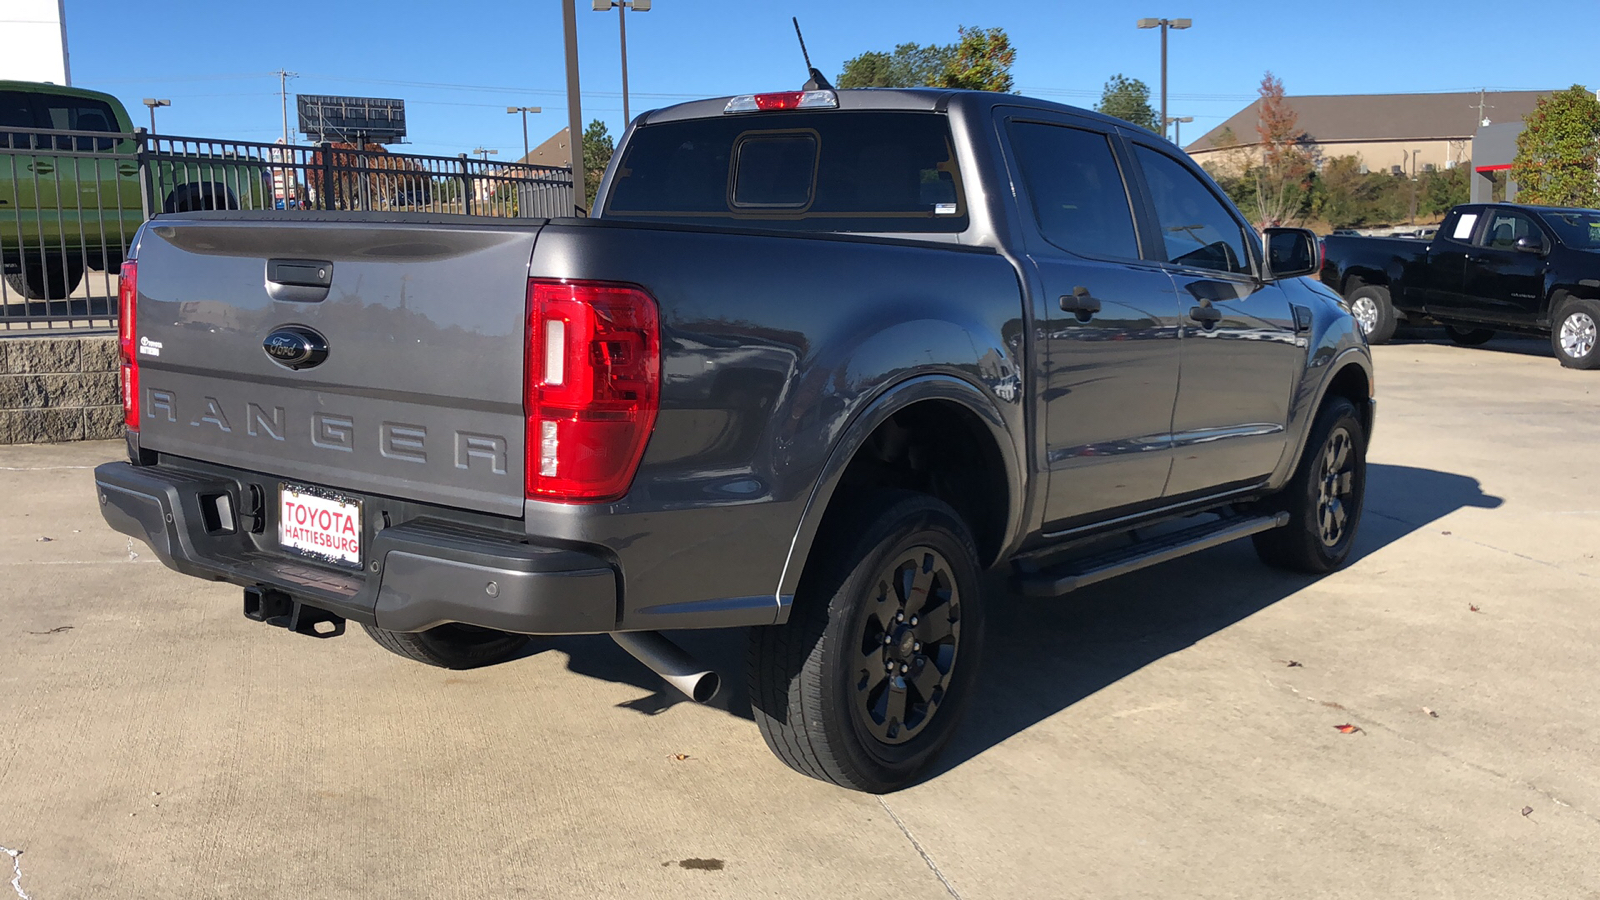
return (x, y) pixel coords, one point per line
(899, 419)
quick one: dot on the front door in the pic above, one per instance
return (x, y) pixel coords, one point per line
(1241, 353)
(1106, 322)
(1505, 285)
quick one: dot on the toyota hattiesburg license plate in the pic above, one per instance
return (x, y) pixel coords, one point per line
(320, 524)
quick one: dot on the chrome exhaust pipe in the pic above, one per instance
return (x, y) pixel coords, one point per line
(671, 662)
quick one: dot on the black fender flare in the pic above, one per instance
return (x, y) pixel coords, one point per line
(1348, 356)
(896, 397)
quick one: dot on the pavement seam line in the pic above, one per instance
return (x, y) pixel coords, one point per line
(916, 845)
(16, 866)
(1533, 559)
(39, 468)
(1384, 726)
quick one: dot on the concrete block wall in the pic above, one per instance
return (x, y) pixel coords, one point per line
(59, 388)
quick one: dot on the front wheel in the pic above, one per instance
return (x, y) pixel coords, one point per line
(866, 682)
(1468, 337)
(1574, 335)
(1325, 497)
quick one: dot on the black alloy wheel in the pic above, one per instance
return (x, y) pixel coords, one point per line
(1336, 488)
(1324, 498)
(909, 642)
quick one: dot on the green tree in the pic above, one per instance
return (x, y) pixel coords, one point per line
(597, 150)
(1129, 100)
(1558, 149)
(910, 65)
(982, 61)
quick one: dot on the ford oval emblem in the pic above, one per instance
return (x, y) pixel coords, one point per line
(295, 347)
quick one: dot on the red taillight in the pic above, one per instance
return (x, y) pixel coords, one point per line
(127, 336)
(593, 387)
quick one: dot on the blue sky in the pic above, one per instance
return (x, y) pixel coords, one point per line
(458, 66)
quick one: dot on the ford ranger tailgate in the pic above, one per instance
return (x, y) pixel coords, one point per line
(419, 393)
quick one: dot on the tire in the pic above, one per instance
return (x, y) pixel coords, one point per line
(199, 196)
(1374, 313)
(1468, 337)
(1324, 506)
(823, 694)
(53, 278)
(451, 646)
(1573, 334)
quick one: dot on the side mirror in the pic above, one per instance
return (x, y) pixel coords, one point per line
(1292, 252)
(1530, 244)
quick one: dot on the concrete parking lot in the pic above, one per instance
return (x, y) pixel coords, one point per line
(1171, 734)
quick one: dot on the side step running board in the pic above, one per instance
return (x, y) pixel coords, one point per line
(1073, 574)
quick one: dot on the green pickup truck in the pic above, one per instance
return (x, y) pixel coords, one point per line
(70, 193)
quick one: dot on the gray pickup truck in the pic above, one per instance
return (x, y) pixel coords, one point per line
(818, 361)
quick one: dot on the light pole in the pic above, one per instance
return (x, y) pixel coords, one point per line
(1164, 24)
(622, 7)
(485, 152)
(153, 103)
(1177, 128)
(524, 110)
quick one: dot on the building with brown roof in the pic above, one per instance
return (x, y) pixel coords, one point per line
(1409, 131)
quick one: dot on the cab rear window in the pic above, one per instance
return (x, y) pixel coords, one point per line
(828, 171)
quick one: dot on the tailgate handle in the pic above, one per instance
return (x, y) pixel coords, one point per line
(299, 280)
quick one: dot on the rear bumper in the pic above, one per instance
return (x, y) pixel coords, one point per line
(421, 573)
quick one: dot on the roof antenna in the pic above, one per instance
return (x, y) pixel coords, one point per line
(817, 81)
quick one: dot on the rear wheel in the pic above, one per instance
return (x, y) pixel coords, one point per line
(1468, 337)
(51, 278)
(1574, 335)
(866, 682)
(1325, 497)
(451, 646)
(1370, 305)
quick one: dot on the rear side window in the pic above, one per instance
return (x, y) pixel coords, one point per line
(1198, 230)
(79, 114)
(830, 171)
(1076, 189)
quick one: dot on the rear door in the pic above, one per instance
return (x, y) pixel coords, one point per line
(1107, 318)
(1241, 354)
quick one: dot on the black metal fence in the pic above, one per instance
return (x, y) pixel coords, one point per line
(70, 202)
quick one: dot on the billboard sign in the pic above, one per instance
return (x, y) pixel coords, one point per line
(351, 120)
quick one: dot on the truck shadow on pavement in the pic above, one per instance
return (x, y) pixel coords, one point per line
(1042, 656)
(1502, 342)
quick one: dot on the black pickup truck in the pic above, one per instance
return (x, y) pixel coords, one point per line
(1491, 267)
(820, 359)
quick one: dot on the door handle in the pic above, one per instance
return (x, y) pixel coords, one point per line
(1207, 316)
(1081, 303)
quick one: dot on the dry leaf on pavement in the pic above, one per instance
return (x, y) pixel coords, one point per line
(1347, 728)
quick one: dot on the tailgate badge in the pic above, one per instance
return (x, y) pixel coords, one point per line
(295, 347)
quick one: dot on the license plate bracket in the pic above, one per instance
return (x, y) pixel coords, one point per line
(320, 524)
